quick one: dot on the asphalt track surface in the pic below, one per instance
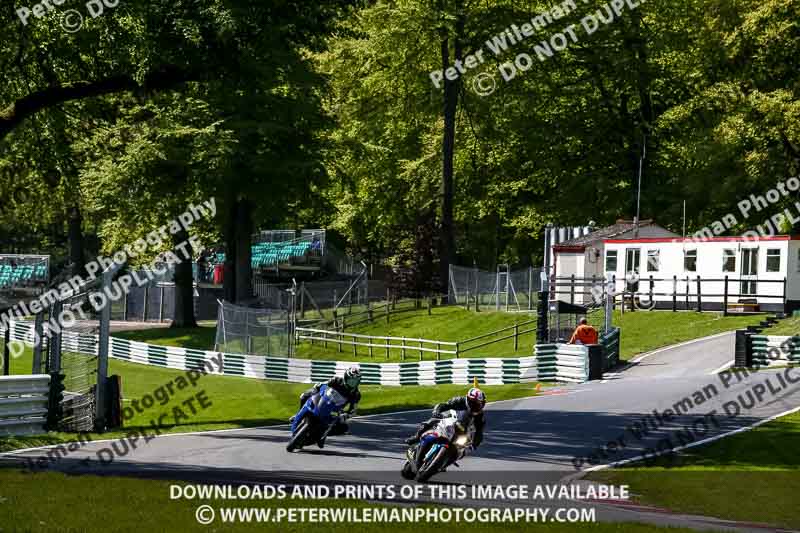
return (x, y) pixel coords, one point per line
(543, 439)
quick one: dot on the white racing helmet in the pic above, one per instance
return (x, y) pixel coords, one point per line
(352, 377)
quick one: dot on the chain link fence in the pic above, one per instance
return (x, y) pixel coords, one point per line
(502, 290)
(251, 330)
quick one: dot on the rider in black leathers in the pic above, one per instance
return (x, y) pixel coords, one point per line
(347, 387)
(473, 403)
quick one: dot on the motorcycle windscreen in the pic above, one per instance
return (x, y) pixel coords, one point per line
(330, 401)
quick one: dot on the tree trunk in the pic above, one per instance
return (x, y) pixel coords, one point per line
(243, 266)
(228, 270)
(451, 87)
(75, 238)
(183, 314)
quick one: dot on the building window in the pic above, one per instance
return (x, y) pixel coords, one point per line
(690, 260)
(611, 261)
(653, 260)
(773, 260)
(729, 260)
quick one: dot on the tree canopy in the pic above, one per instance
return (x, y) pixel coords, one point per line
(304, 114)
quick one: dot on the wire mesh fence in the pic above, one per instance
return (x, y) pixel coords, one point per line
(253, 331)
(502, 290)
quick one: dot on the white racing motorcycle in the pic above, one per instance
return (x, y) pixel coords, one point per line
(442, 446)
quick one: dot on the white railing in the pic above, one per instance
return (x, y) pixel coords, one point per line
(404, 344)
(23, 404)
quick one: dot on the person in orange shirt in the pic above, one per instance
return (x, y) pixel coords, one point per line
(584, 334)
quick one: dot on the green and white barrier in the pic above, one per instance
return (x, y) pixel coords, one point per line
(450, 371)
(570, 362)
(562, 362)
(610, 342)
(770, 350)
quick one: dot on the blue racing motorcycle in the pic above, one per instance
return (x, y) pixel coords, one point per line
(318, 415)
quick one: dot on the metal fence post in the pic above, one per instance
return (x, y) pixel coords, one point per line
(508, 283)
(125, 307)
(725, 298)
(516, 337)
(466, 299)
(146, 298)
(614, 292)
(403, 350)
(161, 305)
(420, 350)
(302, 299)
(7, 352)
(477, 291)
(699, 296)
(497, 289)
(572, 289)
(542, 327)
(686, 295)
(38, 336)
(530, 288)
(102, 359)
(674, 293)
(784, 294)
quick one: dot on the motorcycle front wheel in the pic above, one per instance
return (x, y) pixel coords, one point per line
(435, 465)
(407, 471)
(298, 440)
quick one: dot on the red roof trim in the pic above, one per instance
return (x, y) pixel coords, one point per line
(690, 240)
(559, 248)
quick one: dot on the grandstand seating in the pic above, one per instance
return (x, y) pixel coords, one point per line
(267, 254)
(22, 274)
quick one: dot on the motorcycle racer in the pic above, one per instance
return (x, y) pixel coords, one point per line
(473, 403)
(347, 386)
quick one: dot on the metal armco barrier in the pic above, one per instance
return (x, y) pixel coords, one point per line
(23, 404)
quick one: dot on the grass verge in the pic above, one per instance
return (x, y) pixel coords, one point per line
(788, 327)
(57, 502)
(752, 476)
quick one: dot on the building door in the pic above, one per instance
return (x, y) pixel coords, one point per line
(633, 258)
(749, 273)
